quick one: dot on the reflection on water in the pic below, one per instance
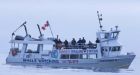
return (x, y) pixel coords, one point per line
(112, 70)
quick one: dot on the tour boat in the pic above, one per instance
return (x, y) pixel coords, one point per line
(104, 53)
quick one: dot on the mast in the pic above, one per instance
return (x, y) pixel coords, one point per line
(26, 30)
(39, 30)
(100, 19)
(20, 27)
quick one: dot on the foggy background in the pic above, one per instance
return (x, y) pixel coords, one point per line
(71, 18)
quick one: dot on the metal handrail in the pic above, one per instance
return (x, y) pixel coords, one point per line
(77, 46)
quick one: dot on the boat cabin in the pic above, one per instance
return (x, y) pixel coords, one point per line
(46, 48)
(109, 44)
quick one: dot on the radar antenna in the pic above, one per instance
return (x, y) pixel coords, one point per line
(100, 19)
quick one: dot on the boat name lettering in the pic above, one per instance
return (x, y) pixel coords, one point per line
(40, 60)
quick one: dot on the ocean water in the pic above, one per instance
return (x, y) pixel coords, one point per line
(6, 69)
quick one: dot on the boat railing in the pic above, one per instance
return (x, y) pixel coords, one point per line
(76, 46)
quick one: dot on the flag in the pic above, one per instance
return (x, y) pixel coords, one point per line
(43, 28)
(45, 25)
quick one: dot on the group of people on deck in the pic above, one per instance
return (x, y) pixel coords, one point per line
(72, 44)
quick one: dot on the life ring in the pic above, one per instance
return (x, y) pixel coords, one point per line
(14, 52)
(54, 54)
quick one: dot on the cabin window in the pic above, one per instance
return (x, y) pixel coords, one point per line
(64, 56)
(102, 36)
(92, 56)
(117, 48)
(16, 46)
(84, 56)
(106, 50)
(47, 47)
(74, 56)
(20, 47)
(81, 56)
(114, 49)
(114, 34)
(106, 35)
(32, 48)
(109, 48)
(102, 48)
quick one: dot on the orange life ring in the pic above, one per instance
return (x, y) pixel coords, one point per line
(14, 52)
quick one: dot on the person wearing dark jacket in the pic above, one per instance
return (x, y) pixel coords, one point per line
(83, 41)
(73, 42)
(97, 40)
(59, 41)
(66, 43)
(79, 41)
(90, 44)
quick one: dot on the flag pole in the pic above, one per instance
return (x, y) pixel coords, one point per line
(51, 30)
(39, 30)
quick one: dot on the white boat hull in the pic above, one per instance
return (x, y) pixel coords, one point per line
(122, 61)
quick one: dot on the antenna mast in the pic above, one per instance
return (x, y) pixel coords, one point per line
(100, 19)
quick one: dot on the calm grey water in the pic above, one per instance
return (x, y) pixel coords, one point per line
(6, 69)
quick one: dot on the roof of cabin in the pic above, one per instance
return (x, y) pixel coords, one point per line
(33, 41)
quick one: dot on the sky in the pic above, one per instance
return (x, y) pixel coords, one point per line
(71, 19)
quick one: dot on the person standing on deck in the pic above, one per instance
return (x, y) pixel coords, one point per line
(73, 42)
(83, 41)
(66, 44)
